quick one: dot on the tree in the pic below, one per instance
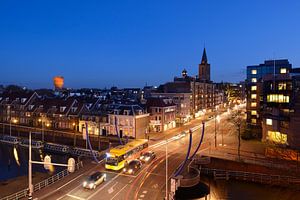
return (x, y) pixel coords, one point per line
(236, 118)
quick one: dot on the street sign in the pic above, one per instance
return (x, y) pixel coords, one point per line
(71, 165)
(47, 162)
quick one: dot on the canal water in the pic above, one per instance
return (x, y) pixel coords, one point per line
(14, 161)
(239, 190)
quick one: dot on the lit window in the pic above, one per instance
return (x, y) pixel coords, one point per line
(282, 70)
(253, 112)
(278, 98)
(253, 71)
(253, 88)
(277, 137)
(253, 96)
(269, 122)
(253, 104)
(253, 80)
(253, 121)
(281, 86)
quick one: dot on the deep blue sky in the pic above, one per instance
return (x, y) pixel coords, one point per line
(130, 43)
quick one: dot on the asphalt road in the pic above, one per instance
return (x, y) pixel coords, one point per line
(149, 182)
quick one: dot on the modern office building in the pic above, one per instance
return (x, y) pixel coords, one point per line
(255, 73)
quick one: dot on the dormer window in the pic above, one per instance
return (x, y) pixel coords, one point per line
(74, 109)
(31, 107)
(126, 112)
(23, 100)
(62, 109)
(7, 99)
(116, 112)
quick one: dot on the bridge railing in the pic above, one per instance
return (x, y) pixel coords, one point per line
(24, 193)
(252, 177)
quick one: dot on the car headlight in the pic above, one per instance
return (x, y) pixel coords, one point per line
(91, 185)
(130, 171)
(124, 170)
(142, 157)
(84, 183)
(147, 159)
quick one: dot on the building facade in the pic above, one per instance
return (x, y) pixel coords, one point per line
(255, 73)
(280, 109)
(162, 114)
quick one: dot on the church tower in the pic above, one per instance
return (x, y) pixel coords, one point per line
(204, 68)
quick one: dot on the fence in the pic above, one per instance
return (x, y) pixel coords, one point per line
(24, 193)
(253, 177)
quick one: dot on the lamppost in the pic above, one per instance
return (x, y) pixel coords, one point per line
(74, 128)
(217, 119)
(41, 121)
(46, 163)
(14, 121)
(166, 198)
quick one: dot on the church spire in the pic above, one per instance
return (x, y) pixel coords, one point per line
(204, 57)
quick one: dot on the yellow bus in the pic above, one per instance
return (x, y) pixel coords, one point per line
(120, 155)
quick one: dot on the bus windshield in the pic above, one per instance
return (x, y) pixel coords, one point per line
(112, 161)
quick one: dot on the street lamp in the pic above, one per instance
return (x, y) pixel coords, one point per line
(166, 169)
(217, 119)
(42, 121)
(46, 163)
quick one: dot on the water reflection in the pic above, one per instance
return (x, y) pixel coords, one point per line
(14, 161)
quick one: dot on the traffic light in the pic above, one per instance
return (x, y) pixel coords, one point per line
(47, 162)
(71, 165)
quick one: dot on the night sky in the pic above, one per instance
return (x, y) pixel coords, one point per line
(131, 43)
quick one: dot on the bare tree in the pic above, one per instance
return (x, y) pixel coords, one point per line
(236, 118)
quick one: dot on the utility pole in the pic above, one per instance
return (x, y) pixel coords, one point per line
(47, 161)
(42, 129)
(166, 198)
(215, 131)
(30, 170)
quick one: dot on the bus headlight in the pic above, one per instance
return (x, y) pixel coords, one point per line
(130, 171)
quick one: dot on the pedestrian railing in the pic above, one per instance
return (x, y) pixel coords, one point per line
(252, 177)
(24, 193)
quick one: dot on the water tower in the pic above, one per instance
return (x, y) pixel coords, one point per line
(58, 82)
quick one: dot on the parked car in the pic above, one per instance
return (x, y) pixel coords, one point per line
(132, 167)
(147, 156)
(94, 180)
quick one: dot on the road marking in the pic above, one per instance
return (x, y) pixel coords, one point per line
(100, 189)
(70, 182)
(121, 174)
(119, 191)
(145, 192)
(142, 196)
(111, 189)
(75, 197)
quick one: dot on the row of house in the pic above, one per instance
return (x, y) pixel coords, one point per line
(131, 112)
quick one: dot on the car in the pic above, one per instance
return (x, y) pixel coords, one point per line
(132, 167)
(147, 156)
(94, 180)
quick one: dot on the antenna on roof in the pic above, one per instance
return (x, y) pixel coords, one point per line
(274, 71)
